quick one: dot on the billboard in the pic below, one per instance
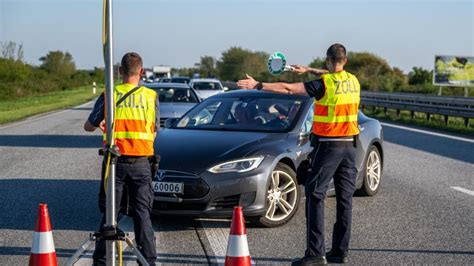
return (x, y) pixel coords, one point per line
(454, 71)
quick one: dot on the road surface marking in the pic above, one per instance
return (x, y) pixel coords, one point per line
(467, 191)
(429, 132)
(217, 238)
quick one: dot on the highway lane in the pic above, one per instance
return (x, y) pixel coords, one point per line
(416, 218)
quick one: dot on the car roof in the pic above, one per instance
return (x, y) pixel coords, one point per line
(205, 80)
(258, 94)
(167, 85)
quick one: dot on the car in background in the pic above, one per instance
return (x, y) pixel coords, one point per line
(184, 80)
(207, 87)
(175, 99)
(163, 80)
(245, 148)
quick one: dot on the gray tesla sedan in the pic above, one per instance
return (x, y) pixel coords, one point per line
(245, 148)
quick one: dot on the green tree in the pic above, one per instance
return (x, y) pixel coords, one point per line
(418, 75)
(20, 54)
(236, 61)
(8, 50)
(207, 67)
(58, 63)
(373, 72)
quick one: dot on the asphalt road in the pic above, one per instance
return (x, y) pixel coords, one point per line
(417, 217)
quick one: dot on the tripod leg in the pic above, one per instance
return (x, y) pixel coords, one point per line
(135, 251)
(79, 252)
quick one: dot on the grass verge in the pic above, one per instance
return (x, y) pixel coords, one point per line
(13, 110)
(455, 124)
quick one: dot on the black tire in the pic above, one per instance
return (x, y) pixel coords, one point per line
(368, 188)
(263, 221)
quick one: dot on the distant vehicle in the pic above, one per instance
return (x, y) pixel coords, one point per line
(207, 87)
(163, 80)
(175, 99)
(245, 148)
(161, 72)
(184, 80)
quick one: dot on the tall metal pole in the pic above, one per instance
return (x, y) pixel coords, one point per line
(110, 217)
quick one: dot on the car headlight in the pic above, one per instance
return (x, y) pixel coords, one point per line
(239, 166)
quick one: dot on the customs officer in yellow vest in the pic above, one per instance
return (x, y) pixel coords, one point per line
(136, 124)
(336, 102)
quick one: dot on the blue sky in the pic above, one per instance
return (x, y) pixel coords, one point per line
(176, 33)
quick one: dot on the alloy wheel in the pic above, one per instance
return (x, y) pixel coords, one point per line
(374, 170)
(281, 196)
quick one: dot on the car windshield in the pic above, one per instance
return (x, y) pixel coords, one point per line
(200, 85)
(176, 95)
(243, 114)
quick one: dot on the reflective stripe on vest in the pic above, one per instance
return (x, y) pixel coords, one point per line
(335, 115)
(134, 121)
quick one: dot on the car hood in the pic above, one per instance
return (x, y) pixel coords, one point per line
(195, 151)
(168, 110)
(203, 94)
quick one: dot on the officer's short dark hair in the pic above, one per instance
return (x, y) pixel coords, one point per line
(131, 64)
(336, 53)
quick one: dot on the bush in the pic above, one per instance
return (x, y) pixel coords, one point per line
(19, 80)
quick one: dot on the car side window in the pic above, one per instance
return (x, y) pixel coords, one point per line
(308, 121)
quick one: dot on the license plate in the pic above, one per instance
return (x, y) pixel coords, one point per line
(168, 187)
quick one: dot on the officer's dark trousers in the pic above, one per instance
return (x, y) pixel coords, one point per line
(136, 175)
(330, 160)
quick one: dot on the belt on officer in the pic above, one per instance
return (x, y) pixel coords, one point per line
(132, 159)
(336, 140)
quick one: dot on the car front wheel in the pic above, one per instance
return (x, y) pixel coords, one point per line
(282, 197)
(372, 172)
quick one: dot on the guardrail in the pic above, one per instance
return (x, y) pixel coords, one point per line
(428, 104)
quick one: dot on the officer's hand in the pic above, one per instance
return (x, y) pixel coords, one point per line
(299, 69)
(248, 83)
(102, 125)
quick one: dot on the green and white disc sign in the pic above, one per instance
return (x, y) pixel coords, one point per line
(276, 63)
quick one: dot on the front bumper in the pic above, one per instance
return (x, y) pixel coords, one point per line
(214, 195)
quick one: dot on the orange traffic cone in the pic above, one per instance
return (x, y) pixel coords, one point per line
(237, 247)
(42, 250)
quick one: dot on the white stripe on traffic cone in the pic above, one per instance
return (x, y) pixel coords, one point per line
(237, 248)
(42, 250)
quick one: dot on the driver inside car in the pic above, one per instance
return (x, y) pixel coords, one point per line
(246, 114)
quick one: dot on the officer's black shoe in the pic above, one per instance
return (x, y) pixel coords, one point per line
(314, 261)
(335, 257)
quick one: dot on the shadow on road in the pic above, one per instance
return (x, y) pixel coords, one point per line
(72, 204)
(197, 259)
(51, 141)
(168, 258)
(427, 251)
(25, 251)
(451, 148)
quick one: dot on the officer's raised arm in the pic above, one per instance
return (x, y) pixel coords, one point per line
(278, 87)
(304, 69)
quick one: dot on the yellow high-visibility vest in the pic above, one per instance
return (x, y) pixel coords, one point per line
(134, 120)
(335, 115)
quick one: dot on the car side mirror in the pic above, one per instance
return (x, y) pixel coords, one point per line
(304, 134)
(225, 89)
(170, 122)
